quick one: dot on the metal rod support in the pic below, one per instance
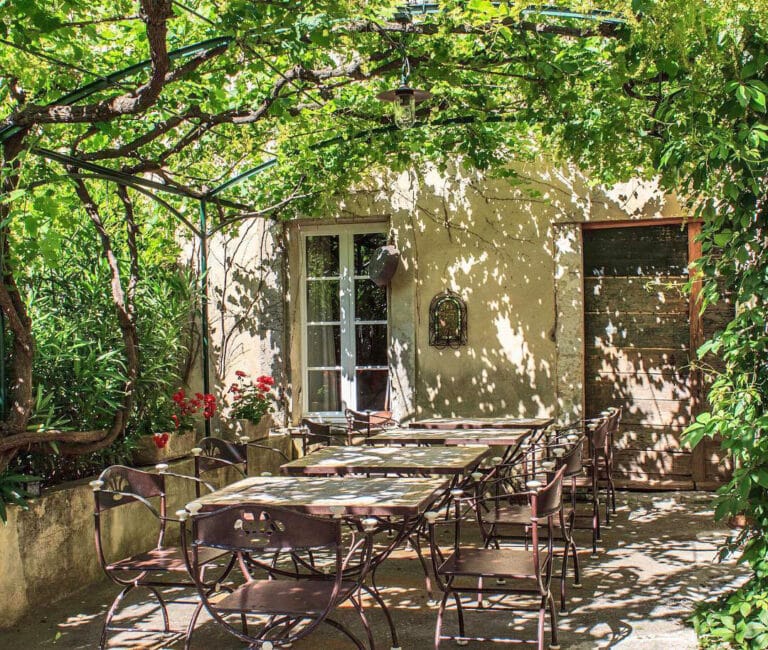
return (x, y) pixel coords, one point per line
(204, 325)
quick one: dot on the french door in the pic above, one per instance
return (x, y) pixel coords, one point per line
(344, 325)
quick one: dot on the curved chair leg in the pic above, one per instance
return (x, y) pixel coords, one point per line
(191, 626)
(540, 623)
(460, 615)
(576, 567)
(564, 576)
(554, 645)
(163, 608)
(439, 624)
(111, 613)
(373, 593)
(346, 632)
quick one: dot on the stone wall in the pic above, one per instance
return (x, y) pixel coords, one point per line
(47, 553)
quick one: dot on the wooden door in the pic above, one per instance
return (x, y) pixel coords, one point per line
(638, 347)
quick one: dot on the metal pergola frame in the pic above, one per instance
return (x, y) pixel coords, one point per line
(404, 14)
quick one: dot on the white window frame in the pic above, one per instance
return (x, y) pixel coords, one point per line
(346, 234)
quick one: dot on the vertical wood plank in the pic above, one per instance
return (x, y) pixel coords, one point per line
(698, 461)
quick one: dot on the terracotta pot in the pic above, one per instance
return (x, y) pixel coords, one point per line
(178, 445)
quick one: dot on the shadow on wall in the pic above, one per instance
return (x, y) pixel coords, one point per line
(493, 242)
(247, 300)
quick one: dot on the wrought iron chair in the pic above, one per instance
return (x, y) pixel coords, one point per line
(477, 573)
(319, 433)
(601, 433)
(367, 423)
(215, 453)
(161, 566)
(509, 519)
(294, 598)
(212, 454)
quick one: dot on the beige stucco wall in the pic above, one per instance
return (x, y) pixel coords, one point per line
(246, 312)
(512, 249)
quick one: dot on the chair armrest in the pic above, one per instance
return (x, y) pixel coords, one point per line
(256, 445)
(162, 468)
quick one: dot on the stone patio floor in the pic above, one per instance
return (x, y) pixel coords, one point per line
(655, 562)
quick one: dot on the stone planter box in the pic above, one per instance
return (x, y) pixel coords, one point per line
(178, 446)
(235, 428)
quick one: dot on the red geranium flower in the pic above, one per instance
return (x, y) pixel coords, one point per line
(160, 440)
(240, 373)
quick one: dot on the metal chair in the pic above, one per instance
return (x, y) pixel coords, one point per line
(294, 598)
(215, 453)
(212, 454)
(161, 566)
(319, 433)
(367, 423)
(511, 520)
(478, 573)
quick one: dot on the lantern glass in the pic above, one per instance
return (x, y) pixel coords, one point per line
(405, 109)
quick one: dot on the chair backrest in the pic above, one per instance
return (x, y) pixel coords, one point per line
(549, 499)
(572, 459)
(599, 434)
(317, 432)
(358, 422)
(122, 485)
(264, 529)
(119, 486)
(215, 450)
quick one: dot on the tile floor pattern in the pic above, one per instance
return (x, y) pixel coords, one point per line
(655, 563)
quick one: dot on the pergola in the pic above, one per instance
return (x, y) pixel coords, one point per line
(556, 21)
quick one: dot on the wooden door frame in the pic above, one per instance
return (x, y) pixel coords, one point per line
(695, 324)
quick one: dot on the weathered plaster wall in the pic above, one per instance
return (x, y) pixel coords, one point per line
(512, 249)
(47, 553)
(247, 308)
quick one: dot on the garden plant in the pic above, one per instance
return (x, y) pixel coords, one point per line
(674, 91)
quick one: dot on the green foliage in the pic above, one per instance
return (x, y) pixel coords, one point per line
(53, 469)
(679, 96)
(12, 491)
(737, 620)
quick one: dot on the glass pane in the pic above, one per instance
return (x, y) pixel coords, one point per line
(324, 390)
(371, 345)
(371, 389)
(323, 300)
(364, 247)
(323, 345)
(370, 301)
(323, 257)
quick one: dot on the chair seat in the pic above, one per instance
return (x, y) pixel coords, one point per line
(169, 558)
(308, 597)
(491, 563)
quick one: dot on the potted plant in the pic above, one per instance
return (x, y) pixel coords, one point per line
(172, 427)
(251, 402)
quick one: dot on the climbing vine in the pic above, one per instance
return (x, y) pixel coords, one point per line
(650, 88)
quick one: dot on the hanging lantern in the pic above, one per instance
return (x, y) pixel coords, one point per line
(404, 99)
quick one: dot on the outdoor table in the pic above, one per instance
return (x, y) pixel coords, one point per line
(450, 461)
(370, 497)
(450, 437)
(481, 423)
(403, 499)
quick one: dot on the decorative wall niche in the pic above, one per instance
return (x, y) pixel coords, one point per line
(447, 320)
